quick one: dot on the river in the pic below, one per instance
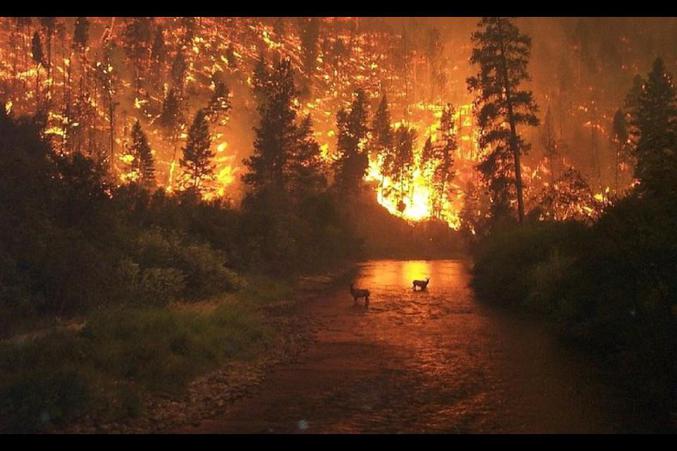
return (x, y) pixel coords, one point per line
(430, 361)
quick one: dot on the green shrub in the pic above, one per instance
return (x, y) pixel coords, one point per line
(160, 286)
(505, 260)
(205, 273)
(202, 267)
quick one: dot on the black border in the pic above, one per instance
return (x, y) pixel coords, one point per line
(463, 8)
(383, 8)
(551, 442)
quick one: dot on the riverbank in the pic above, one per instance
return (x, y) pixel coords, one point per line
(606, 288)
(146, 370)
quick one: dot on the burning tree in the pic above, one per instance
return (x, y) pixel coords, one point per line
(219, 104)
(475, 214)
(620, 138)
(381, 143)
(438, 158)
(433, 51)
(502, 53)
(48, 25)
(551, 145)
(400, 163)
(39, 59)
(171, 120)
(569, 198)
(109, 85)
(137, 41)
(309, 32)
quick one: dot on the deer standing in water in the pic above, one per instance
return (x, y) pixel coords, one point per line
(422, 284)
(359, 293)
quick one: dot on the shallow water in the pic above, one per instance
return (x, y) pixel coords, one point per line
(430, 361)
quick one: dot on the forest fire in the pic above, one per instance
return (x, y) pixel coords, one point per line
(193, 208)
(95, 82)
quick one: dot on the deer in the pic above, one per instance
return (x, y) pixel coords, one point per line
(359, 293)
(422, 284)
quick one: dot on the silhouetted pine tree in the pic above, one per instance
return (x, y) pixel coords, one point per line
(143, 163)
(276, 133)
(654, 118)
(197, 156)
(502, 53)
(305, 164)
(352, 161)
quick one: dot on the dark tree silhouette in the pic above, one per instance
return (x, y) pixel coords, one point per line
(352, 160)
(653, 115)
(276, 132)
(197, 156)
(172, 120)
(502, 53)
(381, 144)
(305, 164)
(143, 164)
